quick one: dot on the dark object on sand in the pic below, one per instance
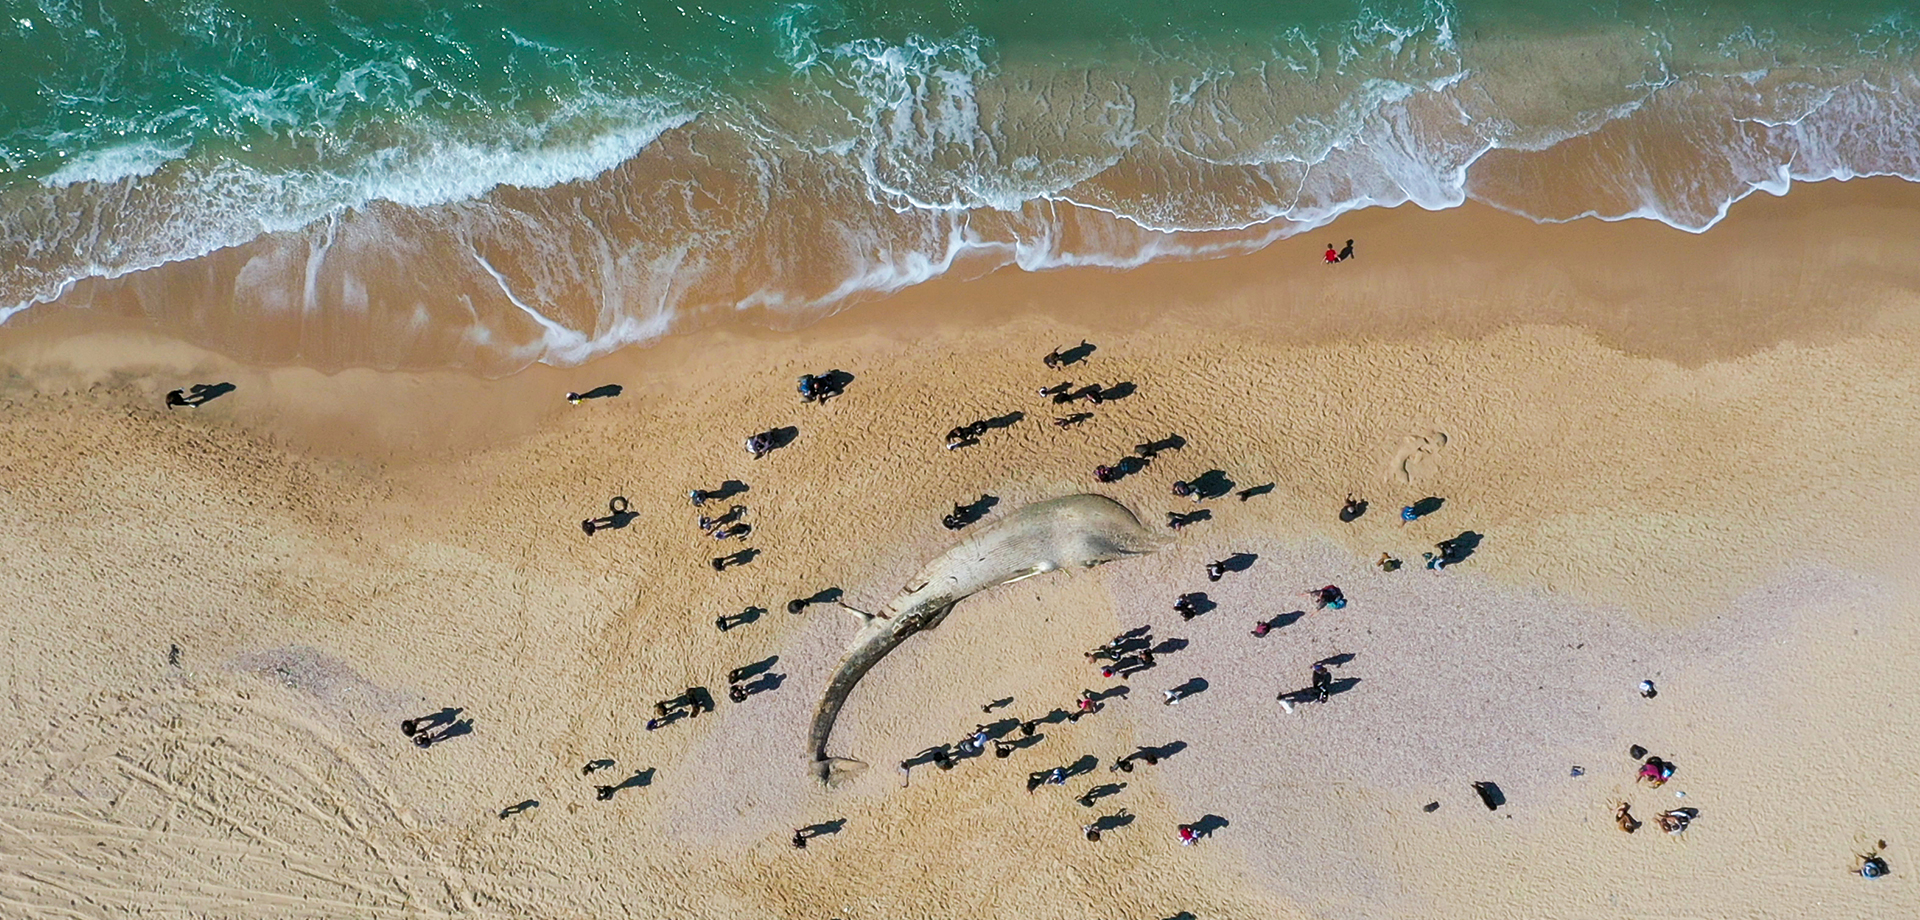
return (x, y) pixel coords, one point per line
(1430, 807)
(1637, 752)
(1490, 795)
(1648, 690)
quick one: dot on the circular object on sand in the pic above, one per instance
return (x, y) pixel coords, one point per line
(619, 504)
(1873, 867)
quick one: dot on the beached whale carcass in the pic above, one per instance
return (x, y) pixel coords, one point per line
(1083, 530)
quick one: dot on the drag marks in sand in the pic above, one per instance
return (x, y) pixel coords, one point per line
(1418, 458)
(245, 793)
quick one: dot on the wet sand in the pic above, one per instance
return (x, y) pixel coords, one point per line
(1689, 459)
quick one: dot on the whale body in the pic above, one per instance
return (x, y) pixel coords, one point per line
(1082, 530)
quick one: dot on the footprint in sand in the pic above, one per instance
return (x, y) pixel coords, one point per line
(1418, 457)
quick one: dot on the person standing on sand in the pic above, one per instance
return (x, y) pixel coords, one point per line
(1188, 833)
(1322, 681)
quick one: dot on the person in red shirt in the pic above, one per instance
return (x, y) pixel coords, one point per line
(1333, 255)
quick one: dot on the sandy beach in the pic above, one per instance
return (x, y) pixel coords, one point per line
(1689, 459)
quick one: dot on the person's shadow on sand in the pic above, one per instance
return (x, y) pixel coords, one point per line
(723, 563)
(619, 515)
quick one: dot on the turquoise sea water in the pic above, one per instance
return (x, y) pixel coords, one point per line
(555, 179)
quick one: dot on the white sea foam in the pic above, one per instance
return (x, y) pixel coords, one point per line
(133, 160)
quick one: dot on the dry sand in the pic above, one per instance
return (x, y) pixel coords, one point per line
(1691, 459)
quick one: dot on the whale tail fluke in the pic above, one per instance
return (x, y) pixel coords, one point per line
(832, 771)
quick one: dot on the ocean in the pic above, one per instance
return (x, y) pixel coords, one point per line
(411, 182)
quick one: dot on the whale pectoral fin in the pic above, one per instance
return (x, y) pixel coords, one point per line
(864, 616)
(832, 771)
(1027, 573)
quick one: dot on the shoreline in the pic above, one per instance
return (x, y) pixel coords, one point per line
(1702, 489)
(1840, 256)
